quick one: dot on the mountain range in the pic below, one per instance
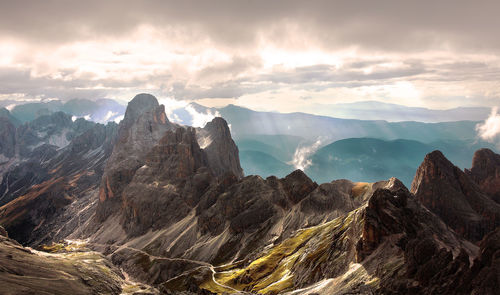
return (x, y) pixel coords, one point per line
(374, 110)
(277, 143)
(149, 206)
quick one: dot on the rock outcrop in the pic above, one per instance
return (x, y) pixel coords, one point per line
(452, 195)
(158, 172)
(144, 124)
(26, 271)
(7, 139)
(222, 152)
(485, 172)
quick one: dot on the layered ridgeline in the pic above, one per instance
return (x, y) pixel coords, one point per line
(170, 206)
(100, 110)
(278, 143)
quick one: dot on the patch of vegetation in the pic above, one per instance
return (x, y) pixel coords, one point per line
(359, 189)
(273, 272)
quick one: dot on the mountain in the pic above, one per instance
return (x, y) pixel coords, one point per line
(57, 165)
(4, 113)
(485, 172)
(369, 159)
(100, 110)
(267, 155)
(259, 163)
(280, 146)
(250, 124)
(169, 206)
(245, 122)
(374, 110)
(452, 195)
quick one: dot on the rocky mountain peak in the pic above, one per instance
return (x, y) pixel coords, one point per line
(222, 153)
(435, 166)
(139, 104)
(144, 124)
(485, 158)
(485, 172)
(452, 195)
(298, 185)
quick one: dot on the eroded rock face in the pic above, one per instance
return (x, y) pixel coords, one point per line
(7, 139)
(452, 195)
(168, 185)
(144, 123)
(298, 185)
(36, 194)
(158, 171)
(222, 153)
(24, 271)
(485, 172)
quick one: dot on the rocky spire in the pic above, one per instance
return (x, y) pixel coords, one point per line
(144, 124)
(222, 152)
(485, 172)
(448, 192)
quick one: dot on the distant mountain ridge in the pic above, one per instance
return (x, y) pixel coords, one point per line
(269, 140)
(375, 110)
(100, 110)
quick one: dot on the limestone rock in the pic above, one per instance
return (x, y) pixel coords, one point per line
(485, 172)
(452, 195)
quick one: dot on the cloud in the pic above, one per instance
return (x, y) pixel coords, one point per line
(197, 116)
(374, 25)
(118, 119)
(302, 153)
(325, 51)
(108, 116)
(200, 119)
(489, 130)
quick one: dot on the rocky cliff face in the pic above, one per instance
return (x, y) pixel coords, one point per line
(222, 152)
(7, 139)
(452, 195)
(485, 172)
(158, 172)
(7, 142)
(392, 245)
(46, 196)
(145, 122)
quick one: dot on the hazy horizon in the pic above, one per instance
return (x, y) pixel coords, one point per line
(281, 56)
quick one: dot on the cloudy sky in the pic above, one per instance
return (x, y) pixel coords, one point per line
(266, 55)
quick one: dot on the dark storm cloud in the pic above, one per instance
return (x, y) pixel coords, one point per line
(383, 25)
